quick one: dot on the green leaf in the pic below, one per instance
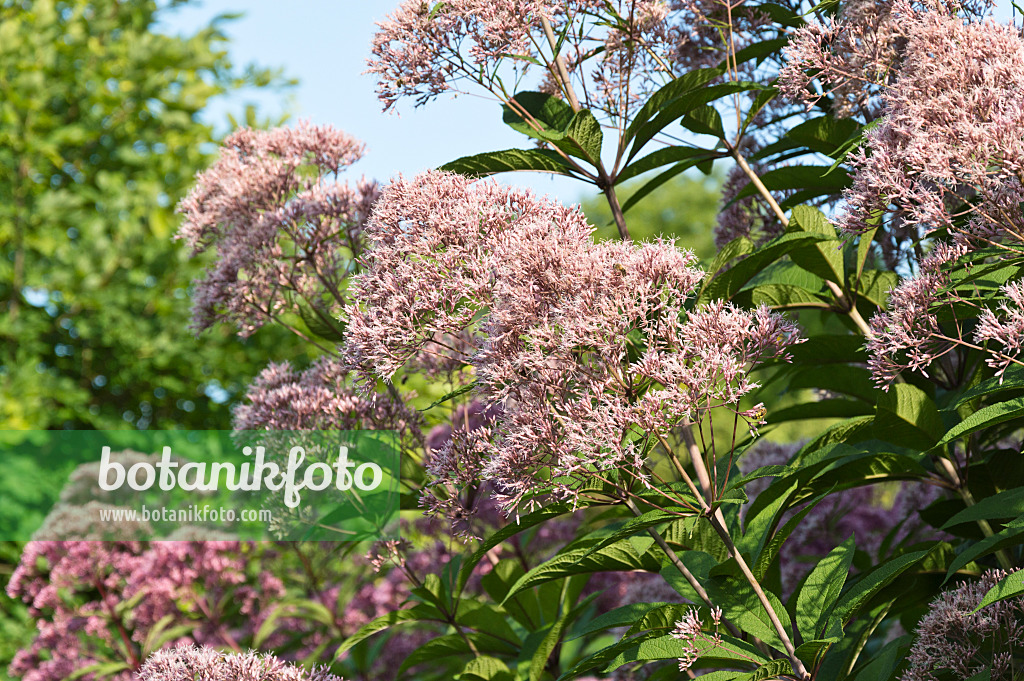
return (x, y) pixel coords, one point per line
(800, 177)
(864, 250)
(660, 179)
(551, 639)
(875, 286)
(450, 645)
(639, 524)
(485, 668)
(769, 670)
(843, 378)
(810, 651)
(704, 120)
(585, 132)
(907, 417)
(984, 418)
(685, 103)
(618, 617)
(821, 590)
(728, 283)
(661, 157)
(736, 248)
(485, 618)
(824, 258)
(823, 409)
(1006, 504)
(1012, 379)
(741, 606)
(659, 100)
(461, 390)
(384, 622)
(548, 113)
(667, 648)
(1008, 536)
(773, 546)
(322, 323)
(99, 670)
(510, 530)
(873, 582)
(1010, 586)
(784, 297)
(509, 160)
(617, 557)
(885, 663)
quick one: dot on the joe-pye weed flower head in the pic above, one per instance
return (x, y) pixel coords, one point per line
(590, 349)
(284, 227)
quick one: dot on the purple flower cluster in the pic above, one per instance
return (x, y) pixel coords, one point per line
(318, 398)
(615, 53)
(208, 664)
(946, 156)
(587, 348)
(284, 227)
(76, 592)
(954, 638)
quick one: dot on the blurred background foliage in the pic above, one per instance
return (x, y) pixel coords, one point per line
(101, 133)
(685, 207)
(102, 129)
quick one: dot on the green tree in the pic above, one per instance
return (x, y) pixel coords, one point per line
(685, 207)
(100, 135)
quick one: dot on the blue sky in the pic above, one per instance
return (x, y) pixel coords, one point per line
(325, 45)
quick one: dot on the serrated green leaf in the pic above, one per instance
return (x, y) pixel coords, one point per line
(726, 284)
(907, 417)
(704, 120)
(1012, 379)
(668, 647)
(821, 590)
(485, 668)
(770, 670)
(616, 557)
(873, 582)
(546, 117)
(509, 160)
(1005, 504)
(663, 157)
(985, 417)
(382, 623)
(1010, 586)
(618, 617)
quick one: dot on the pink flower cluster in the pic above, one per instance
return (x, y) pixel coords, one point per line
(284, 227)
(588, 348)
(76, 590)
(947, 155)
(853, 55)
(690, 630)
(952, 638)
(615, 52)
(318, 398)
(1005, 328)
(208, 664)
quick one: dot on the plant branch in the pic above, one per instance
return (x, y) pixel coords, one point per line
(563, 73)
(718, 523)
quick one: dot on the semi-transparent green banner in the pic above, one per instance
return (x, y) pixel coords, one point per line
(195, 485)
